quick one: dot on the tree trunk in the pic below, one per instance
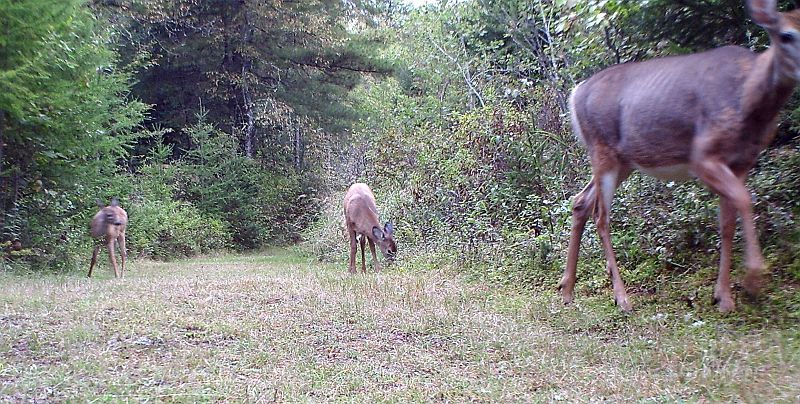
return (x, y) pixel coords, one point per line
(247, 99)
(249, 129)
(3, 182)
(2, 140)
(298, 147)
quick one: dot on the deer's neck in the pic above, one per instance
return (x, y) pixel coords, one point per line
(767, 87)
(368, 221)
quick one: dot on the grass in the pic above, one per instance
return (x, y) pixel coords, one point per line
(278, 327)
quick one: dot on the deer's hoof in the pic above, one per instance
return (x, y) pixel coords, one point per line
(752, 283)
(723, 300)
(726, 305)
(566, 287)
(623, 304)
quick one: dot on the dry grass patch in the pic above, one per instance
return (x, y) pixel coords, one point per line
(279, 327)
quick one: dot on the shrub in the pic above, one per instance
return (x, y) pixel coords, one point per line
(171, 229)
(53, 231)
(326, 238)
(257, 204)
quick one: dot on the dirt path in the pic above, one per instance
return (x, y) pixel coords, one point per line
(280, 328)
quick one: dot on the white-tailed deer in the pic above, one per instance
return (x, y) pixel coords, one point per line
(361, 218)
(706, 115)
(109, 225)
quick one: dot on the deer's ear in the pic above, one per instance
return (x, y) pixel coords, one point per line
(378, 233)
(763, 13)
(114, 202)
(388, 228)
(100, 203)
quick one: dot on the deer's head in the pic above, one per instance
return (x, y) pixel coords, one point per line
(111, 215)
(784, 34)
(385, 240)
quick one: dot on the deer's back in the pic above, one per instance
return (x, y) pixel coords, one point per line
(650, 112)
(359, 207)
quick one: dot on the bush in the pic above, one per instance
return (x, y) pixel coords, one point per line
(258, 205)
(326, 238)
(171, 229)
(53, 231)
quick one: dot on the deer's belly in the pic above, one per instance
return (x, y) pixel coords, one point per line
(676, 172)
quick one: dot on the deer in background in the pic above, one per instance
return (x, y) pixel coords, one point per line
(706, 115)
(361, 219)
(109, 225)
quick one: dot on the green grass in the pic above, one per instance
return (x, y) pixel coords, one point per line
(278, 326)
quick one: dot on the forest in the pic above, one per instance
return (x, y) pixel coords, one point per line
(230, 131)
(237, 125)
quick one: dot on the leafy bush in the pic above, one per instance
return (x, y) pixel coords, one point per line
(257, 204)
(52, 229)
(326, 238)
(172, 229)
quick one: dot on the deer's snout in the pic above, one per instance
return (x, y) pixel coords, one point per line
(113, 219)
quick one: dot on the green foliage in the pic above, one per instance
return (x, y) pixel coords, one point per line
(265, 63)
(170, 229)
(776, 185)
(256, 203)
(467, 145)
(326, 238)
(53, 228)
(472, 131)
(66, 119)
(159, 226)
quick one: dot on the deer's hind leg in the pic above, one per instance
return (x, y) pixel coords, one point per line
(94, 260)
(122, 252)
(608, 174)
(353, 248)
(582, 205)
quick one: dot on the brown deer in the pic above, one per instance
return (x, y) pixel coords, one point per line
(109, 225)
(361, 219)
(706, 115)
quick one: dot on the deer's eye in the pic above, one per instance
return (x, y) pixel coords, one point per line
(787, 37)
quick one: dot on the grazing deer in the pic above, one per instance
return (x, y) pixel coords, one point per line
(706, 115)
(361, 218)
(110, 223)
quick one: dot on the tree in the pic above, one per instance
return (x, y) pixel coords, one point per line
(65, 117)
(266, 72)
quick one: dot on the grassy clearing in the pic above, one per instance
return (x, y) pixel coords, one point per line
(279, 327)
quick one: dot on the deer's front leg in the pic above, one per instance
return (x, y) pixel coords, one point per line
(122, 252)
(374, 256)
(727, 185)
(353, 247)
(94, 260)
(363, 253)
(112, 257)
